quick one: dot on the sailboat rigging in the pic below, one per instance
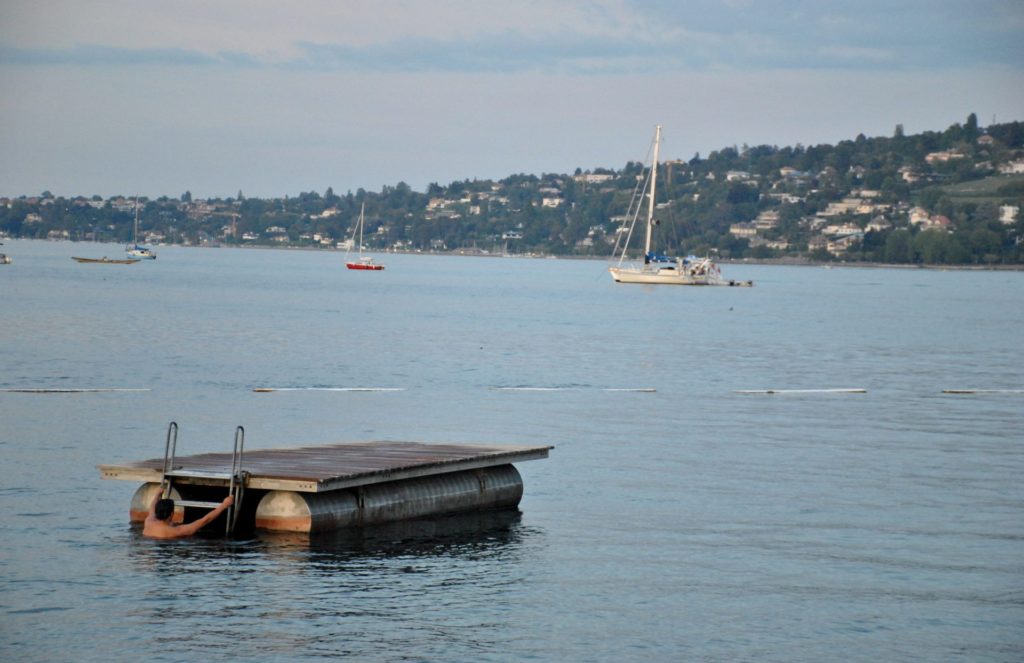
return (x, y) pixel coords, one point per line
(133, 250)
(659, 269)
(364, 262)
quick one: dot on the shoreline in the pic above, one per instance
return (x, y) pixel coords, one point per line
(478, 253)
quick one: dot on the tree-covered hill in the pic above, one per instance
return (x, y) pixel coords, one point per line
(949, 197)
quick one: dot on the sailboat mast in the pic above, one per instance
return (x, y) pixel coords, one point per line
(650, 202)
(362, 208)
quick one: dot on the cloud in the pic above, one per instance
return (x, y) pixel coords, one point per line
(104, 56)
(511, 52)
(579, 37)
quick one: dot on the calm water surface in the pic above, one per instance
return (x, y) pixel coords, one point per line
(688, 523)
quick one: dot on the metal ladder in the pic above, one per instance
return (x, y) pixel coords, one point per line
(236, 479)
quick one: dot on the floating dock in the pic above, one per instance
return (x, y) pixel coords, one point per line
(318, 488)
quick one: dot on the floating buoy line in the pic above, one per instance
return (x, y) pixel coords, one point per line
(645, 390)
(801, 391)
(48, 390)
(622, 389)
(983, 391)
(264, 390)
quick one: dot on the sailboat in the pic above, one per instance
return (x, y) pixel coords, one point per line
(134, 250)
(364, 262)
(660, 269)
(106, 261)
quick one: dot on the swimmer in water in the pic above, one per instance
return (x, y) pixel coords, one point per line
(159, 526)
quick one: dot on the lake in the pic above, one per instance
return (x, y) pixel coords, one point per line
(676, 518)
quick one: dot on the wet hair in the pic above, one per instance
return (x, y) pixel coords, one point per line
(164, 509)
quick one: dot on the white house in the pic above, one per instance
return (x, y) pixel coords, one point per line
(842, 229)
(767, 219)
(592, 178)
(743, 230)
(1012, 167)
(944, 156)
(841, 245)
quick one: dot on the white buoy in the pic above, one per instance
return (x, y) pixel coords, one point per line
(264, 390)
(801, 391)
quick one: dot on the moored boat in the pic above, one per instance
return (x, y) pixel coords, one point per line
(140, 252)
(659, 269)
(364, 263)
(106, 261)
(134, 250)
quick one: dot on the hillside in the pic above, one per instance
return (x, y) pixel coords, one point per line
(949, 197)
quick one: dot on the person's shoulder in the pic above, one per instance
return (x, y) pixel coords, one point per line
(158, 529)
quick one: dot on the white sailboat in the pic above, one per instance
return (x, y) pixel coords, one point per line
(134, 250)
(658, 269)
(364, 262)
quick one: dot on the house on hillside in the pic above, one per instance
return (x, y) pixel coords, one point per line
(908, 174)
(743, 230)
(920, 217)
(817, 242)
(841, 245)
(1012, 167)
(842, 229)
(767, 219)
(878, 224)
(944, 156)
(592, 178)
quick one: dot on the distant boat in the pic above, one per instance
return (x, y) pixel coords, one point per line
(364, 262)
(5, 259)
(106, 261)
(134, 250)
(659, 269)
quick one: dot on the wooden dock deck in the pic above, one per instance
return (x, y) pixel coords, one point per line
(323, 468)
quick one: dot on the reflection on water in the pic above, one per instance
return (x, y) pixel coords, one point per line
(483, 534)
(305, 591)
(478, 533)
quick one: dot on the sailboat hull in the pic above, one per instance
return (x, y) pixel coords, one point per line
(364, 266)
(659, 277)
(140, 252)
(106, 261)
(670, 277)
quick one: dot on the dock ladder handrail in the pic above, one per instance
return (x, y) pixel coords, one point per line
(236, 484)
(169, 450)
(236, 480)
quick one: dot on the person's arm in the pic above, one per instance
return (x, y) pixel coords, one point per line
(156, 498)
(196, 525)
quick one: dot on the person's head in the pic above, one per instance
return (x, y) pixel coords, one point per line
(164, 509)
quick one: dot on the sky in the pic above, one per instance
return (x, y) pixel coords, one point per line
(125, 97)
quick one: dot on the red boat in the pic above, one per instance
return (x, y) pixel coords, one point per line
(365, 262)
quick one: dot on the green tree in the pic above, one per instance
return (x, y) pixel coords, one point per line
(971, 132)
(898, 247)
